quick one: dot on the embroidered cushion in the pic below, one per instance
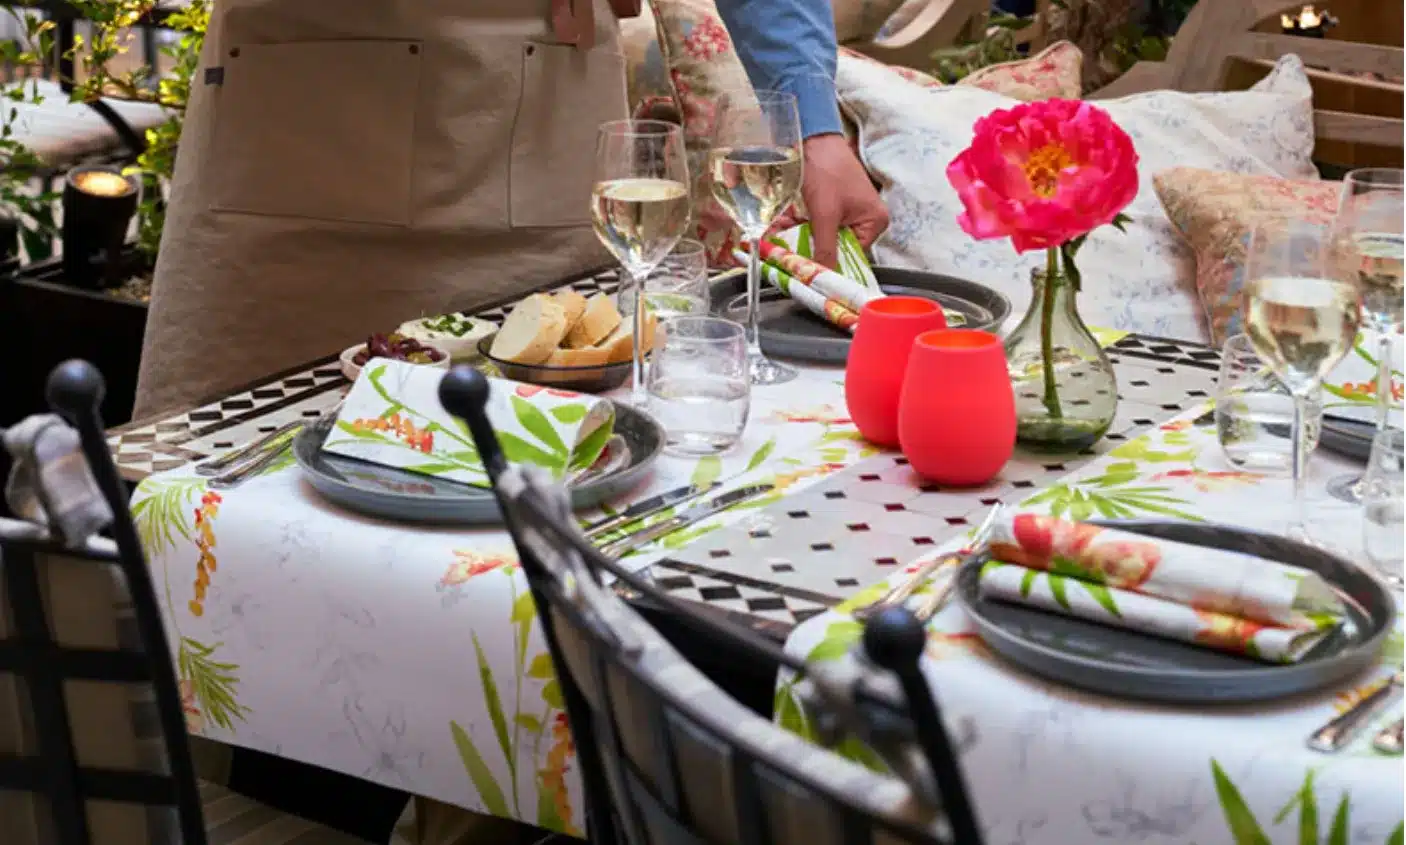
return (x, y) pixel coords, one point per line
(1216, 212)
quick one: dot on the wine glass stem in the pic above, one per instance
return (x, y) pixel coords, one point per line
(638, 394)
(1298, 455)
(1383, 380)
(754, 297)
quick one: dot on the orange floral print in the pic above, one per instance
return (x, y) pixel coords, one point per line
(194, 721)
(1206, 481)
(786, 479)
(1345, 701)
(421, 440)
(942, 645)
(468, 565)
(1177, 425)
(1368, 389)
(825, 415)
(205, 564)
(1043, 542)
(1227, 633)
(553, 774)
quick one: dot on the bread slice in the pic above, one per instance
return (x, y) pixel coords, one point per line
(531, 332)
(620, 345)
(591, 356)
(601, 318)
(574, 304)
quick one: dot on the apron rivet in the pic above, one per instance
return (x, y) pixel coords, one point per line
(414, 49)
(531, 49)
(234, 54)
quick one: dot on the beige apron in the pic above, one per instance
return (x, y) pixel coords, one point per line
(347, 165)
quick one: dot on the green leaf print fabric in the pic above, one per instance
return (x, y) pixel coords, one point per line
(1211, 597)
(392, 417)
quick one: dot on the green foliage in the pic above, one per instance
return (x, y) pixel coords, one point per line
(35, 55)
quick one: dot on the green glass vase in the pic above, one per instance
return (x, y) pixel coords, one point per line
(1066, 393)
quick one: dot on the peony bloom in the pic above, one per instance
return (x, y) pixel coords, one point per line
(1044, 174)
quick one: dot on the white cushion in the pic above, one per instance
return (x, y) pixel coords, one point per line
(1141, 281)
(60, 131)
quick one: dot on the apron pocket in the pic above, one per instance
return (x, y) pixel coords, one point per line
(566, 94)
(322, 130)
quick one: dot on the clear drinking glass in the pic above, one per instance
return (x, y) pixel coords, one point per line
(699, 388)
(1255, 412)
(1382, 489)
(640, 207)
(755, 169)
(1369, 223)
(678, 287)
(1302, 310)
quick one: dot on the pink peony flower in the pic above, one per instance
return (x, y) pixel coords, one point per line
(1044, 174)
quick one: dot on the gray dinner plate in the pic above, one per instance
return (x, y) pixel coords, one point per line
(402, 496)
(1347, 437)
(1131, 665)
(788, 330)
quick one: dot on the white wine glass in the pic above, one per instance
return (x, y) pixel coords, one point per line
(755, 169)
(640, 209)
(1369, 224)
(1302, 310)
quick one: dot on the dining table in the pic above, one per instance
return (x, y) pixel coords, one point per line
(410, 655)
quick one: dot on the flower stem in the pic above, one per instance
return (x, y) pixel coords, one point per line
(1047, 306)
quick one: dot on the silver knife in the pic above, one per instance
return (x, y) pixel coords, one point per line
(1388, 739)
(1335, 735)
(697, 513)
(649, 507)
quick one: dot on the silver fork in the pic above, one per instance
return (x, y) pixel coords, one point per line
(901, 592)
(217, 466)
(247, 470)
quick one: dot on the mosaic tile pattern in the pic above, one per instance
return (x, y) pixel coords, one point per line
(856, 527)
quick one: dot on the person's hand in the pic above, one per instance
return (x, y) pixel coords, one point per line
(838, 192)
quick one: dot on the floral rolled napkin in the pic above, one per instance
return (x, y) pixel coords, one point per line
(853, 294)
(392, 417)
(853, 263)
(1223, 600)
(813, 300)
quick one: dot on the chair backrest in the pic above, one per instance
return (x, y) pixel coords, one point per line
(93, 747)
(1218, 36)
(667, 756)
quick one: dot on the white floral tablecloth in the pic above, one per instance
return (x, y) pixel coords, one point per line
(1049, 764)
(410, 656)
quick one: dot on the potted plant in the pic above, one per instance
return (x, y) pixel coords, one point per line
(101, 318)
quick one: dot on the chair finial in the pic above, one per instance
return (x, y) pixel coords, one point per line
(464, 392)
(75, 389)
(894, 639)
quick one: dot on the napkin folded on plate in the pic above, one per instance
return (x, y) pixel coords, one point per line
(1350, 389)
(392, 417)
(1219, 599)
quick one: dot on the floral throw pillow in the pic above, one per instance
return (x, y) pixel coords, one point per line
(1056, 71)
(1144, 280)
(1215, 212)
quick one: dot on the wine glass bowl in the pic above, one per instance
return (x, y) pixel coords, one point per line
(639, 208)
(1368, 228)
(1302, 312)
(755, 170)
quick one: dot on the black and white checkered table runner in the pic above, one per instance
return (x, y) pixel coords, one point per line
(783, 564)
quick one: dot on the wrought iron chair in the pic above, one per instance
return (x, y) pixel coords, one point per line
(93, 745)
(667, 756)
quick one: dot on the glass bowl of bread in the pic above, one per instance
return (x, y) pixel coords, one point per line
(567, 341)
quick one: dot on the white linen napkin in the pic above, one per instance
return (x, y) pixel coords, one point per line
(1220, 599)
(392, 417)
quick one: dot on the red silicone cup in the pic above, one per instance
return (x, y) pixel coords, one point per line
(878, 358)
(956, 416)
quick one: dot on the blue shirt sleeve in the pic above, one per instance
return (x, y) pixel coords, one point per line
(789, 45)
